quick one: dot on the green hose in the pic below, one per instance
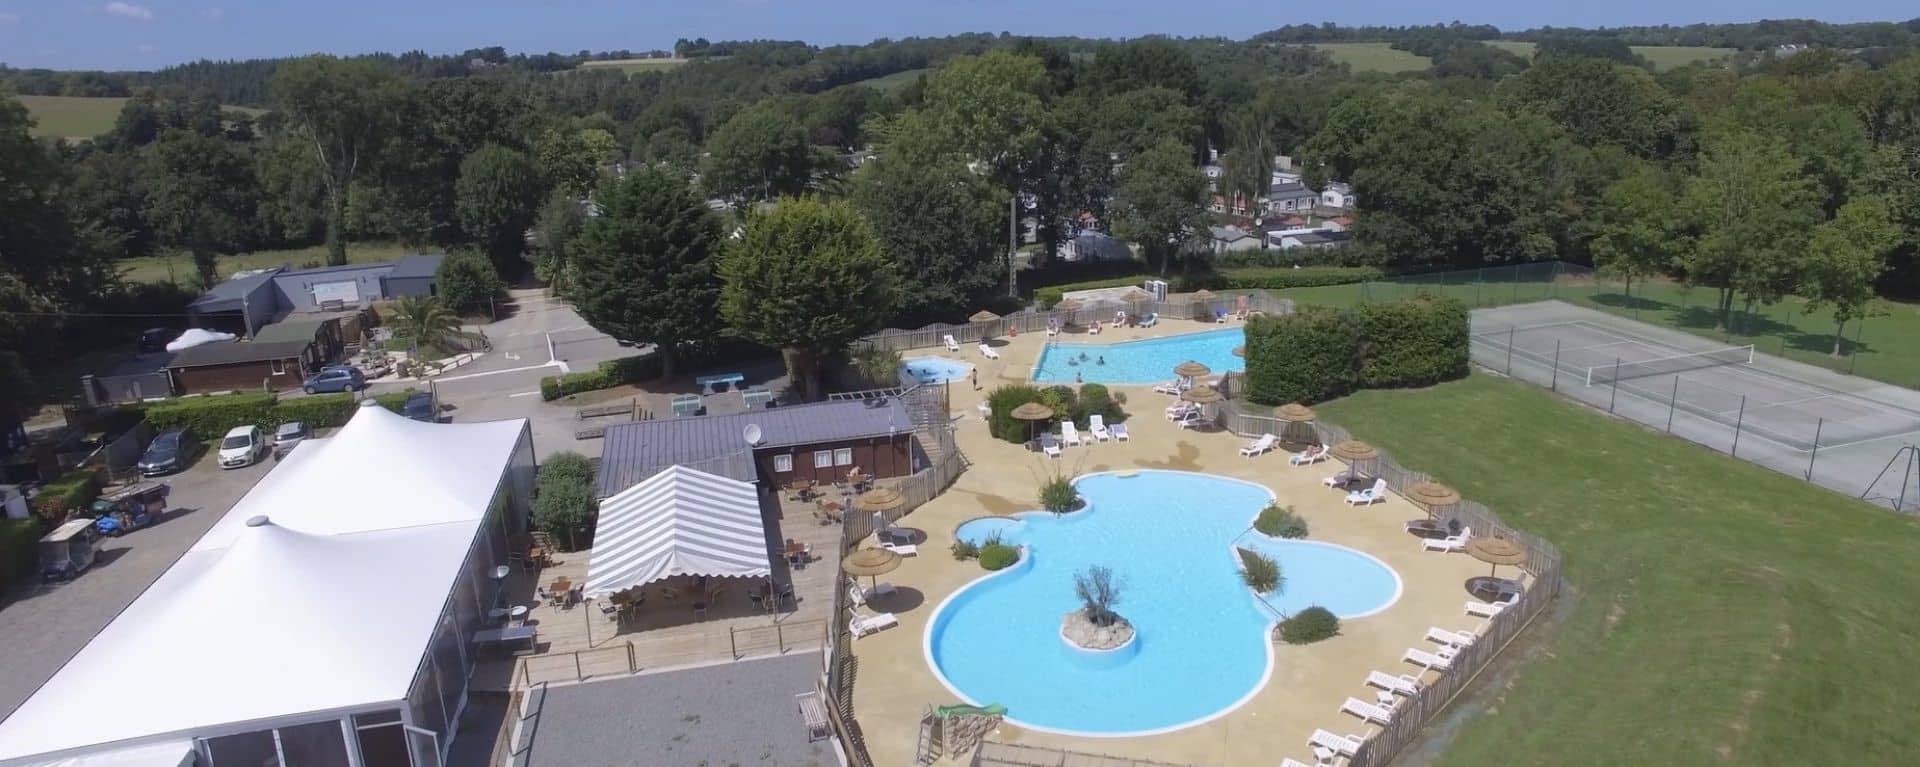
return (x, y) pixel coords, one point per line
(993, 709)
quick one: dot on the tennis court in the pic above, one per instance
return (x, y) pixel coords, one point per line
(1720, 384)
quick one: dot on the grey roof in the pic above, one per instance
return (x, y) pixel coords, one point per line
(634, 451)
(416, 265)
(231, 352)
(340, 268)
(1228, 233)
(231, 290)
(1290, 190)
(1320, 237)
(1339, 186)
(290, 329)
(740, 713)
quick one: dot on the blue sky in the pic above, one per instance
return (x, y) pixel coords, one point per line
(146, 34)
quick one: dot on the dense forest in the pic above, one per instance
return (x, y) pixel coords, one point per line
(1791, 167)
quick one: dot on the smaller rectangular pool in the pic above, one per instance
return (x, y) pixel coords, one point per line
(933, 370)
(1140, 362)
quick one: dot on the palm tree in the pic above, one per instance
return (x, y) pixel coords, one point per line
(425, 323)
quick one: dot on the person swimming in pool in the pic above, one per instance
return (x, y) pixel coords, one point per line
(1076, 376)
(1102, 360)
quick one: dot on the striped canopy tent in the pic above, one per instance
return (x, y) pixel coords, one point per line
(680, 521)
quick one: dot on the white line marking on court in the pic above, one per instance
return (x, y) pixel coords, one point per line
(451, 379)
(525, 394)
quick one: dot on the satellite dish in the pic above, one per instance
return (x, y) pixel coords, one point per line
(751, 434)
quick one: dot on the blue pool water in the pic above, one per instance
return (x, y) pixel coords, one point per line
(1140, 362)
(934, 370)
(1202, 646)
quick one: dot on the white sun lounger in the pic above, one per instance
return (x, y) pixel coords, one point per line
(1097, 426)
(858, 596)
(1345, 745)
(1177, 409)
(1449, 543)
(1258, 446)
(1190, 420)
(1490, 609)
(1049, 446)
(1405, 684)
(1070, 434)
(1450, 638)
(1309, 456)
(862, 625)
(1369, 496)
(988, 352)
(1441, 661)
(952, 345)
(902, 549)
(1173, 387)
(1368, 711)
(1120, 432)
(1338, 479)
(1292, 762)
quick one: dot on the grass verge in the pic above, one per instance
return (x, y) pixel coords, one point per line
(1725, 613)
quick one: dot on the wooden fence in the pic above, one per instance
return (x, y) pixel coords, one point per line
(1542, 568)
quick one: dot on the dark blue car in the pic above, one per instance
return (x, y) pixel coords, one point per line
(335, 379)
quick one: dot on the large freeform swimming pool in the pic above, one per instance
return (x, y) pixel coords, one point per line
(1203, 644)
(1139, 362)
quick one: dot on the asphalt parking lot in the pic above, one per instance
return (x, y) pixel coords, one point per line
(43, 625)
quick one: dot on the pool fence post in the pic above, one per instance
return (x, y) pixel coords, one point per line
(1615, 393)
(1673, 403)
(1738, 422)
(1516, 286)
(1553, 281)
(1511, 329)
(1555, 385)
(1814, 454)
(1479, 283)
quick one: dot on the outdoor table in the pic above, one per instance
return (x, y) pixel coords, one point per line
(1428, 528)
(537, 555)
(1488, 588)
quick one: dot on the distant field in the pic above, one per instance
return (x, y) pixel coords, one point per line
(155, 268)
(74, 117)
(895, 81)
(1664, 57)
(631, 66)
(1374, 57)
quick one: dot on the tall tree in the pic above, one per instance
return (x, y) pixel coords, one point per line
(1844, 257)
(339, 108)
(201, 195)
(807, 277)
(559, 221)
(1161, 204)
(762, 152)
(572, 159)
(1134, 121)
(940, 222)
(1598, 101)
(497, 196)
(645, 268)
(1752, 206)
(1633, 229)
(992, 109)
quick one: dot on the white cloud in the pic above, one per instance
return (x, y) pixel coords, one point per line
(130, 11)
(9, 18)
(213, 14)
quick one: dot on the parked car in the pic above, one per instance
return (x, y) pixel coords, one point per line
(155, 339)
(335, 378)
(172, 451)
(419, 407)
(288, 435)
(243, 446)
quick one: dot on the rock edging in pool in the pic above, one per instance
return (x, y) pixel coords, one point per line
(1080, 632)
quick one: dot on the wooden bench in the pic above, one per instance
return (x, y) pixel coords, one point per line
(602, 411)
(813, 711)
(590, 432)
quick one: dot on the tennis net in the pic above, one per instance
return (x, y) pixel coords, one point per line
(1620, 371)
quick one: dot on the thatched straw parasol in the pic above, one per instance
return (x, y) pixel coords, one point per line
(1068, 305)
(1496, 552)
(983, 316)
(1297, 418)
(1191, 369)
(1201, 395)
(1031, 412)
(1136, 295)
(1294, 412)
(1203, 294)
(879, 499)
(1358, 455)
(872, 563)
(1432, 495)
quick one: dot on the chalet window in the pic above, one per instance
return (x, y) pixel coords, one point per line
(782, 464)
(279, 367)
(822, 459)
(843, 457)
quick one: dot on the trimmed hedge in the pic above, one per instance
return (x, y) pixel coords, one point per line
(71, 492)
(564, 504)
(1310, 625)
(1281, 278)
(19, 549)
(626, 370)
(1417, 341)
(1000, 404)
(998, 556)
(1319, 353)
(211, 416)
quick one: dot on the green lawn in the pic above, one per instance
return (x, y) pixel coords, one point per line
(154, 269)
(72, 117)
(631, 66)
(895, 81)
(1883, 348)
(1374, 57)
(1664, 57)
(1721, 613)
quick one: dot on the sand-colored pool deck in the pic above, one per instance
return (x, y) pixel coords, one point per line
(894, 684)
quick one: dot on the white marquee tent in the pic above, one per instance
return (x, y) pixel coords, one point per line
(318, 592)
(680, 521)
